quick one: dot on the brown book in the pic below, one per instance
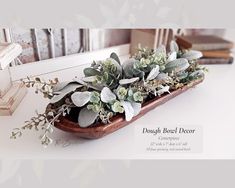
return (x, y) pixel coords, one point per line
(203, 42)
(209, 61)
(217, 53)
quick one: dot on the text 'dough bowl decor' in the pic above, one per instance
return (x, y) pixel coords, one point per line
(113, 94)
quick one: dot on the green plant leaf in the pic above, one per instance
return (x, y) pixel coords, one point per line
(107, 95)
(128, 67)
(115, 57)
(121, 92)
(177, 65)
(91, 72)
(129, 111)
(128, 81)
(164, 89)
(137, 96)
(197, 74)
(153, 73)
(174, 46)
(89, 79)
(60, 86)
(86, 117)
(192, 55)
(81, 98)
(117, 65)
(117, 107)
(172, 56)
(66, 90)
(136, 107)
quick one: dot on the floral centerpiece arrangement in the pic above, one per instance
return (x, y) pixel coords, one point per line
(110, 87)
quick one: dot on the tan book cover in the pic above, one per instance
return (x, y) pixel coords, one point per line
(217, 53)
(209, 61)
(203, 42)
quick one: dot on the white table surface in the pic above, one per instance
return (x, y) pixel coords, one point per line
(210, 105)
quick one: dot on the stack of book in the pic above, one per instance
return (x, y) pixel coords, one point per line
(215, 50)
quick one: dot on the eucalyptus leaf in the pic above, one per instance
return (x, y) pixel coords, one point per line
(177, 65)
(182, 75)
(117, 107)
(81, 98)
(192, 55)
(87, 117)
(115, 57)
(174, 46)
(66, 90)
(117, 65)
(107, 95)
(153, 73)
(129, 111)
(128, 81)
(91, 72)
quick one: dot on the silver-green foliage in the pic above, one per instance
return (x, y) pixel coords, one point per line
(110, 87)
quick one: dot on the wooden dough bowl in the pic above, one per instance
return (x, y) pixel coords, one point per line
(117, 122)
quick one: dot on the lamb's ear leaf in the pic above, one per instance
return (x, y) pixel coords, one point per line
(115, 57)
(86, 117)
(164, 89)
(62, 93)
(107, 95)
(163, 77)
(172, 56)
(129, 111)
(81, 98)
(177, 65)
(80, 81)
(62, 85)
(136, 107)
(89, 79)
(192, 55)
(153, 73)
(128, 67)
(161, 50)
(91, 72)
(128, 81)
(174, 46)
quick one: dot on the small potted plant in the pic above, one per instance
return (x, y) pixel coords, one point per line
(113, 94)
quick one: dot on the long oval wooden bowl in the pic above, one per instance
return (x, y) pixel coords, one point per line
(118, 121)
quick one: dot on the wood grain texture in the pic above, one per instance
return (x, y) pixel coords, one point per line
(118, 121)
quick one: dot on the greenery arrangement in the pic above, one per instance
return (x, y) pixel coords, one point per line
(111, 88)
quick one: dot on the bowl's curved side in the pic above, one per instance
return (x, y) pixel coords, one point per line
(118, 121)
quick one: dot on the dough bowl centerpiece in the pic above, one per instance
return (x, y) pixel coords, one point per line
(112, 94)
